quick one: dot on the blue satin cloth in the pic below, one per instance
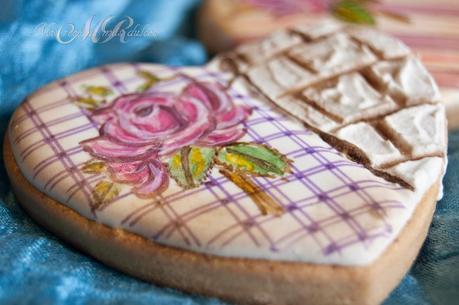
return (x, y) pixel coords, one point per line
(37, 268)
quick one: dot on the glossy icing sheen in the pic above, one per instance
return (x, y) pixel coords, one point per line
(385, 45)
(279, 75)
(276, 43)
(408, 78)
(312, 116)
(350, 99)
(334, 54)
(319, 30)
(335, 211)
(421, 128)
(379, 150)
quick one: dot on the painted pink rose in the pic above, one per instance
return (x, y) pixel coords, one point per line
(139, 130)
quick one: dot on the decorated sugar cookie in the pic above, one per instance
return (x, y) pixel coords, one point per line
(303, 168)
(427, 26)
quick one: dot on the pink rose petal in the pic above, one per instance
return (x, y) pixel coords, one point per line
(222, 137)
(137, 129)
(157, 182)
(130, 172)
(105, 149)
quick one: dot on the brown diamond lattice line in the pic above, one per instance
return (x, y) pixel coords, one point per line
(362, 91)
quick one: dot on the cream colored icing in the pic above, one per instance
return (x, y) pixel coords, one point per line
(279, 75)
(407, 78)
(307, 113)
(379, 150)
(387, 46)
(218, 219)
(259, 51)
(422, 128)
(332, 55)
(350, 99)
(417, 172)
(319, 30)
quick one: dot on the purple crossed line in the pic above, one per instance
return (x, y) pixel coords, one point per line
(314, 188)
(291, 205)
(312, 226)
(57, 121)
(353, 187)
(337, 172)
(61, 175)
(179, 226)
(243, 223)
(57, 148)
(52, 138)
(46, 107)
(110, 76)
(40, 166)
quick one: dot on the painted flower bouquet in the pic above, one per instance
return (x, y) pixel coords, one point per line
(149, 137)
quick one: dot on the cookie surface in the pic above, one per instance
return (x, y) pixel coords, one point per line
(219, 164)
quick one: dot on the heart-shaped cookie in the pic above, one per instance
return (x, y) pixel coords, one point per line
(303, 168)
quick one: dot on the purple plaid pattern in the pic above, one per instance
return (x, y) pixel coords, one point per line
(332, 204)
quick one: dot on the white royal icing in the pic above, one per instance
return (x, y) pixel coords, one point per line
(387, 46)
(259, 51)
(319, 30)
(379, 150)
(407, 78)
(306, 113)
(332, 55)
(422, 129)
(350, 99)
(279, 75)
(417, 172)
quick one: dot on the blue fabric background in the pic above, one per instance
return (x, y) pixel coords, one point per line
(36, 268)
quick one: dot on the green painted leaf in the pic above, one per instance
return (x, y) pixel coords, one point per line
(93, 167)
(104, 192)
(191, 165)
(353, 11)
(98, 90)
(150, 80)
(256, 159)
(148, 76)
(88, 102)
(144, 87)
